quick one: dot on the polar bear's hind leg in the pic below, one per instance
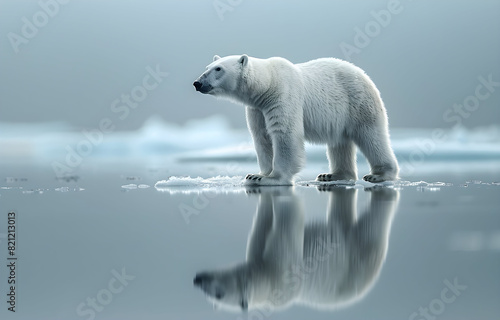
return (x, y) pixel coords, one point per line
(376, 147)
(342, 159)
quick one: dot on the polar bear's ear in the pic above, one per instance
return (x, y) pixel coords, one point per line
(216, 57)
(243, 60)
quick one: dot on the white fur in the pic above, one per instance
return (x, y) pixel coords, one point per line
(328, 101)
(323, 264)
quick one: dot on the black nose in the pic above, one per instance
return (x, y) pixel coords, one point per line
(219, 294)
(197, 85)
(200, 278)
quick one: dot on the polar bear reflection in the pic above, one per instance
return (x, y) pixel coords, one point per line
(324, 264)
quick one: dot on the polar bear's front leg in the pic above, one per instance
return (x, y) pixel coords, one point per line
(287, 136)
(262, 141)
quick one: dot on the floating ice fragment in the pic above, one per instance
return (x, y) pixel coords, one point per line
(35, 191)
(474, 182)
(179, 182)
(419, 184)
(68, 189)
(129, 186)
(437, 184)
(432, 189)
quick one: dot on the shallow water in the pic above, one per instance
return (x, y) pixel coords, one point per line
(105, 242)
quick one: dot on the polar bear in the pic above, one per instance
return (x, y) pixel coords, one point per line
(328, 101)
(323, 264)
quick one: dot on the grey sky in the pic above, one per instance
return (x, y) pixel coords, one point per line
(427, 58)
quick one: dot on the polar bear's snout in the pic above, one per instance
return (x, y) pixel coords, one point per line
(202, 86)
(206, 282)
(202, 278)
(197, 85)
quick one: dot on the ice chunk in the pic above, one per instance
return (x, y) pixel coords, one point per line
(130, 186)
(218, 181)
(187, 185)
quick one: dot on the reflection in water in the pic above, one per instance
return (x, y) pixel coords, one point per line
(322, 264)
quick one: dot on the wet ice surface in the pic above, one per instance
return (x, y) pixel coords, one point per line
(428, 244)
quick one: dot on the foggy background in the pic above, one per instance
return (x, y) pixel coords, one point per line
(427, 58)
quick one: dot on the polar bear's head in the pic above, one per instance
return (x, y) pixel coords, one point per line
(223, 76)
(226, 289)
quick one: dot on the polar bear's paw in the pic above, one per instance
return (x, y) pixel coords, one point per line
(253, 177)
(334, 177)
(374, 178)
(261, 180)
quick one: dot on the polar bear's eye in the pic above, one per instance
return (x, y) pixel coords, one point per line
(218, 69)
